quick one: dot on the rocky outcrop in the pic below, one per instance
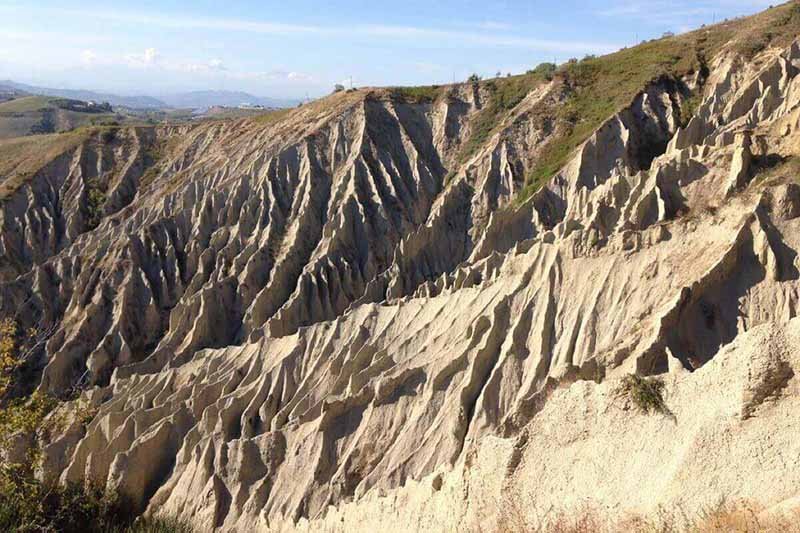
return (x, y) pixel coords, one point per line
(587, 450)
(280, 320)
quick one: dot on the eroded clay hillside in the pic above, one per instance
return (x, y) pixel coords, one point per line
(381, 308)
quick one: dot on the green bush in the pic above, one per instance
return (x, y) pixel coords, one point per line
(417, 95)
(28, 505)
(95, 200)
(9, 360)
(645, 393)
(109, 134)
(545, 70)
(504, 94)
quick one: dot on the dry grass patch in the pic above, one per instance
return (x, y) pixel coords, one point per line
(22, 157)
(520, 515)
(271, 117)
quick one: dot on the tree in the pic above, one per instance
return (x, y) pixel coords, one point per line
(338, 88)
(545, 70)
(474, 78)
(9, 361)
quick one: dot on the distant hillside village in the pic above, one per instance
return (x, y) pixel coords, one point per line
(80, 106)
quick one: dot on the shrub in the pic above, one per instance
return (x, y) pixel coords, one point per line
(474, 78)
(22, 419)
(110, 133)
(28, 505)
(9, 362)
(417, 95)
(503, 95)
(17, 349)
(95, 200)
(545, 70)
(25, 416)
(645, 393)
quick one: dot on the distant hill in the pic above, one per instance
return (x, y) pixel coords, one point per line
(28, 115)
(134, 102)
(9, 93)
(200, 100)
(23, 114)
(207, 99)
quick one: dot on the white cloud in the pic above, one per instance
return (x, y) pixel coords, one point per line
(183, 22)
(88, 57)
(428, 68)
(148, 58)
(670, 12)
(412, 33)
(213, 65)
(62, 37)
(494, 25)
(273, 76)
(485, 34)
(298, 76)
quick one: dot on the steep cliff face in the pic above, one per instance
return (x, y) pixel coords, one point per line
(277, 319)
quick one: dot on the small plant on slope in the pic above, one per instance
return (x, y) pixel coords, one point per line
(95, 200)
(645, 393)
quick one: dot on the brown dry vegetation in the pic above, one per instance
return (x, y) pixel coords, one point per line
(22, 157)
(518, 515)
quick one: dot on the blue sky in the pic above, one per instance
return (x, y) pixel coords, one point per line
(294, 47)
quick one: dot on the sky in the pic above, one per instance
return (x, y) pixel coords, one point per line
(294, 48)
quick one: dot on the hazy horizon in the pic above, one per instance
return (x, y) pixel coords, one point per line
(290, 51)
